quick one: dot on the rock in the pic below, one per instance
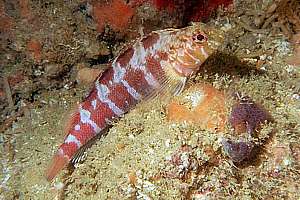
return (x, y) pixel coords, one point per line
(88, 75)
(34, 48)
(237, 151)
(282, 157)
(94, 50)
(53, 70)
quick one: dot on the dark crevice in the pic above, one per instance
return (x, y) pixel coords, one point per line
(103, 59)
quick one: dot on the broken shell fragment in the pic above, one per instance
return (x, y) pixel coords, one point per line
(247, 116)
(237, 151)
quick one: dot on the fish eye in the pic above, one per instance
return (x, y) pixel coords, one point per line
(199, 38)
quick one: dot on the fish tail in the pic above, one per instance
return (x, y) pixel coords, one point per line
(59, 161)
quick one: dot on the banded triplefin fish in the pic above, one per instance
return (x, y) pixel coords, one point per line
(155, 64)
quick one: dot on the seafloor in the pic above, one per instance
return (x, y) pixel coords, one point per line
(134, 160)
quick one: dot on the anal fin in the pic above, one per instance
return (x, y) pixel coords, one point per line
(79, 156)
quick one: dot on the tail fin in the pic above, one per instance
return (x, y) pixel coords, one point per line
(58, 163)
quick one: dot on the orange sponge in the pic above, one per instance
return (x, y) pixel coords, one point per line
(201, 104)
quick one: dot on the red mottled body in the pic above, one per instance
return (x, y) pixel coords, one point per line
(158, 62)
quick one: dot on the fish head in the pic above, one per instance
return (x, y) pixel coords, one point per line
(192, 46)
